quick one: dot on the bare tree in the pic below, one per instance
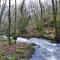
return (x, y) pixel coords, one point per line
(54, 15)
(22, 7)
(57, 33)
(2, 11)
(41, 6)
(15, 17)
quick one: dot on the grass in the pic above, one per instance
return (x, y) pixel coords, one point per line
(13, 57)
(24, 52)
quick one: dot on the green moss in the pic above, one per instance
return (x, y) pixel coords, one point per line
(13, 57)
(25, 52)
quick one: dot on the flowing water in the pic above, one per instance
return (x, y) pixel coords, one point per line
(45, 50)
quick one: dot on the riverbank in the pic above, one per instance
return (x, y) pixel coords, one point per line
(19, 51)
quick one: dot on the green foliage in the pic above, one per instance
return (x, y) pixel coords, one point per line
(39, 26)
(13, 57)
(46, 19)
(23, 23)
(58, 23)
(51, 23)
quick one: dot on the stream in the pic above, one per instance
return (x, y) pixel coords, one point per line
(45, 50)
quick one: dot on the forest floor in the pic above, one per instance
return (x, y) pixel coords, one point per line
(15, 51)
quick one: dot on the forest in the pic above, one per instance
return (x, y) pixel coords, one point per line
(24, 23)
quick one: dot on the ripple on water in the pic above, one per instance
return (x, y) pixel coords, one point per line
(47, 50)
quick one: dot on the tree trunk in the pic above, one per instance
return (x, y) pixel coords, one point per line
(15, 18)
(57, 33)
(41, 6)
(9, 22)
